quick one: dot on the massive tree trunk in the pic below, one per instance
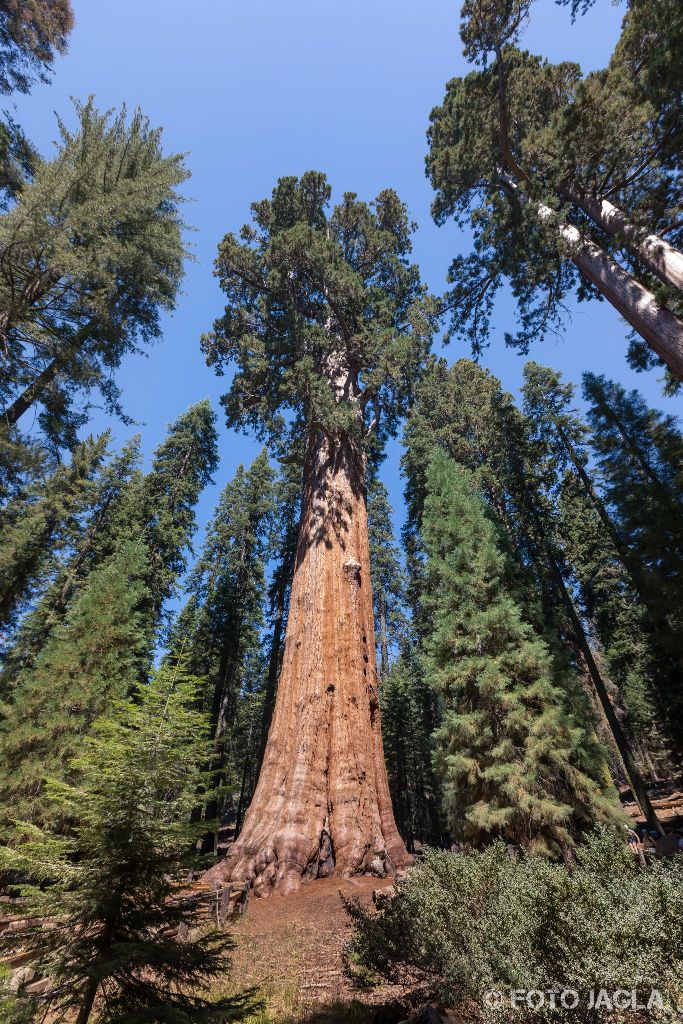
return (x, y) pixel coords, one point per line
(657, 325)
(653, 251)
(322, 803)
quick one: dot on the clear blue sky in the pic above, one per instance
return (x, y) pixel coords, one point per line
(255, 90)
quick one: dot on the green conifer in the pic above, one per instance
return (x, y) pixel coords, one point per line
(515, 761)
(36, 525)
(91, 255)
(112, 881)
(91, 658)
(218, 631)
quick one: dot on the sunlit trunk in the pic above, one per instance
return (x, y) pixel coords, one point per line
(322, 803)
(653, 251)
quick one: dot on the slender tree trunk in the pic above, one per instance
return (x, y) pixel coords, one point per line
(626, 558)
(13, 412)
(283, 585)
(654, 252)
(322, 800)
(88, 1001)
(246, 769)
(222, 718)
(658, 326)
(383, 642)
(632, 773)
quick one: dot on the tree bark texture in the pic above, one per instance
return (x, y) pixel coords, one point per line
(322, 803)
(657, 325)
(654, 252)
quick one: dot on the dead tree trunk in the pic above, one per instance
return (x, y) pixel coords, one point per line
(654, 252)
(322, 803)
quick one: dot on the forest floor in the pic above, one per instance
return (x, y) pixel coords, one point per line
(291, 949)
(667, 801)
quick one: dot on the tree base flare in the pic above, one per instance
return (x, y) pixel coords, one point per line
(322, 804)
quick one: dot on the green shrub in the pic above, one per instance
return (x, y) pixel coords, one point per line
(461, 926)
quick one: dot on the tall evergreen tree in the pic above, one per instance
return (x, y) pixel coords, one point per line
(218, 631)
(464, 411)
(327, 323)
(619, 624)
(157, 508)
(90, 659)
(32, 33)
(515, 762)
(36, 525)
(283, 548)
(639, 453)
(519, 150)
(560, 435)
(388, 581)
(408, 720)
(112, 881)
(160, 506)
(91, 254)
(406, 699)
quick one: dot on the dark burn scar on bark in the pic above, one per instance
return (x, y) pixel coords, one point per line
(352, 571)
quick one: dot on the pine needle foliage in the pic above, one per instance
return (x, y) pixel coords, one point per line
(91, 255)
(93, 657)
(514, 761)
(32, 33)
(114, 882)
(37, 524)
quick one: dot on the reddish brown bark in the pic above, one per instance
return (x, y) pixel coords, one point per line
(322, 802)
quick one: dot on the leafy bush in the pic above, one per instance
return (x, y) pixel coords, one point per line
(464, 925)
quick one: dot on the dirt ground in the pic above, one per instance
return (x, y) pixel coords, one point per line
(290, 948)
(668, 805)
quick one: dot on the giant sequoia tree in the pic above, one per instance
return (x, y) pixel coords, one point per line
(327, 323)
(562, 181)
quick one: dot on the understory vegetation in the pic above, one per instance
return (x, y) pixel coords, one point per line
(463, 926)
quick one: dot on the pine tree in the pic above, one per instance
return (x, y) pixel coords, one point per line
(561, 436)
(76, 293)
(283, 547)
(160, 506)
(406, 699)
(518, 150)
(89, 660)
(36, 525)
(386, 571)
(640, 454)
(112, 881)
(88, 546)
(32, 33)
(328, 325)
(515, 762)
(618, 622)
(464, 411)
(218, 631)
